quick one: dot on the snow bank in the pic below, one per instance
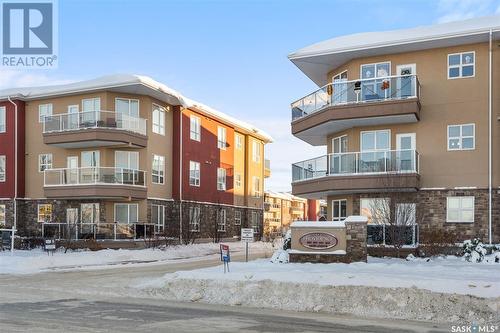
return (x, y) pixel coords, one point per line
(26, 262)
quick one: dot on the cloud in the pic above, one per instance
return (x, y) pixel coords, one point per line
(13, 79)
(456, 10)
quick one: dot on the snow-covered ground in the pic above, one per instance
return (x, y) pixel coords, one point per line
(27, 262)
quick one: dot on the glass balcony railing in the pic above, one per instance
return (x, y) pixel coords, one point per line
(94, 175)
(93, 119)
(357, 91)
(369, 162)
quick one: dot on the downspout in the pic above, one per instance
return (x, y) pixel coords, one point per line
(180, 177)
(490, 97)
(15, 175)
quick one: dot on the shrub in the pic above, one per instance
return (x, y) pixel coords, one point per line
(435, 241)
(474, 250)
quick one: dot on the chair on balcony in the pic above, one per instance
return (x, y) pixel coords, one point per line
(111, 122)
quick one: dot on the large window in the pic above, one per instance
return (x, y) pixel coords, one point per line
(44, 162)
(221, 179)
(158, 216)
(128, 160)
(2, 215)
(339, 210)
(194, 219)
(461, 137)
(129, 107)
(221, 220)
(373, 75)
(91, 104)
(375, 140)
(221, 138)
(460, 209)
(44, 110)
(195, 128)
(44, 213)
(254, 220)
(126, 213)
(256, 187)
(3, 173)
(89, 212)
(237, 217)
(158, 169)
(3, 124)
(461, 65)
(158, 119)
(256, 151)
(194, 173)
(375, 209)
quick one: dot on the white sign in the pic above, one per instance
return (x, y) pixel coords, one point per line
(247, 234)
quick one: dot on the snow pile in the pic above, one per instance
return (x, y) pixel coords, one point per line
(26, 262)
(387, 288)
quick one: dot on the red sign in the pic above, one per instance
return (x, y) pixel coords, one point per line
(318, 240)
(224, 253)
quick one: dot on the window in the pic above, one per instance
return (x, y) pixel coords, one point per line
(460, 209)
(376, 140)
(195, 128)
(238, 141)
(129, 107)
(461, 65)
(221, 179)
(256, 151)
(3, 125)
(194, 219)
(126, 213)
(127, 160)
(237, 217)
(158, 119)
(44, 162)
(89, 212)
(158, 217)
(91, 104)
(221, 220)
(461, 137)
(374, 76)
(221, 137)
(44, 110)
(2, 215)
(3, 173)
(339, 210)
(375, 209)
(194, 173)
(44, 213)
(406, 213)
(256, 187)
(237, 180)
(158, 169)
(254, 220)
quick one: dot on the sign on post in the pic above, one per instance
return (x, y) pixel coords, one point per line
(50, 246)
(246, 236)
(225, 256)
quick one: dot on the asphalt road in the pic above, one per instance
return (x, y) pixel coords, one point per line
(100, 301)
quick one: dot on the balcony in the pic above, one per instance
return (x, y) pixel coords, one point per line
(364, 102)
(95, 182)
(356, 172)
(267, 168)
(94, 129)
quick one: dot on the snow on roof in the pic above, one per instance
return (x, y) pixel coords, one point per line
(285, 196)
(329, 54)
(138, 84)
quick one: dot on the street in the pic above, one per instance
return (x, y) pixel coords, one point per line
(101, 301)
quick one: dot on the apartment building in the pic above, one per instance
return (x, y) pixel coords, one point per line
(124, 157)
(410, 121)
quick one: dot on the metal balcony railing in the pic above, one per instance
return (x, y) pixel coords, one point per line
(93, 175)
(357, 91)
(353, 163)
(93, 119)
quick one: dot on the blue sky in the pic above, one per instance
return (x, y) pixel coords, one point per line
(231, 55)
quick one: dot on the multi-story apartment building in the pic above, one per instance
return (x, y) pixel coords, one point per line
(410, 115)
(124, 156)
(281, 209)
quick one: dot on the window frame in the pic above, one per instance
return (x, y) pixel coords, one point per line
(129, 100)
(158, 128)
(254, 223)
(256, 151)
(195, 133)
(3, 119)
(460, 209)
(160, 213)
(93, 99)
(221, 177)
(49, 110)
(461, 137)
(197, 180)
(460, 66)
(255, 193)
(160, 174)
(221, 137)
(221, 217)
(128, 212)
(194, 224)
(3, 213)
(40, 164)
(95, 209)
(46, 205)
(339, 202)
(238, 138)
(237, 219)
(375, 149)
(237, 180)
(3, 174)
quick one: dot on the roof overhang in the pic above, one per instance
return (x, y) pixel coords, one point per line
(317, 60)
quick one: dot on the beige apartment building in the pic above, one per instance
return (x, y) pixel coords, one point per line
(411, 115)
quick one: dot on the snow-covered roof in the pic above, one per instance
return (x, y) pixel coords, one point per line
(133, 84)
(285, 196)
(318, 59)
